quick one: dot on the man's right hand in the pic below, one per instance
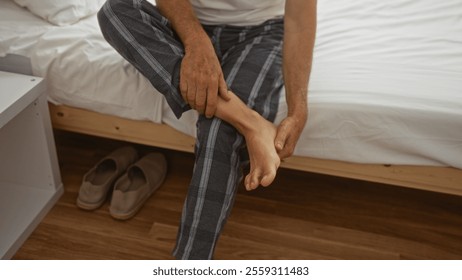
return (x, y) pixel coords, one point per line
(201, 78)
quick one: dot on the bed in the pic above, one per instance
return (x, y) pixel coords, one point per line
(385, 101)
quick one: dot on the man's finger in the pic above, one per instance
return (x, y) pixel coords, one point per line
(212, 100)
(223, 90)
(201, 97)
(191, 97)
(287, 151)
(281, 137)
(184, 89)
(212, 92)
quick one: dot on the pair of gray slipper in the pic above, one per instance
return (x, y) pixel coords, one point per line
(130, 179)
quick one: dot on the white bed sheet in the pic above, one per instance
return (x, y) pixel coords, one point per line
(385, 88)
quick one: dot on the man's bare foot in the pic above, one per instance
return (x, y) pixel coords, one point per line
(264, 160)
(259, 135)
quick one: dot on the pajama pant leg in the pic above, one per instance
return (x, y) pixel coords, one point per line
(252, 70)
(143, 37)
(252, 67)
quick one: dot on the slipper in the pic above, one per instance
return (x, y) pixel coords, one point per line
(99, 180)
(134, 188)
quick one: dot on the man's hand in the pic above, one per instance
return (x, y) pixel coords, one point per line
(299, 36)
(201, 79)
(288, 133)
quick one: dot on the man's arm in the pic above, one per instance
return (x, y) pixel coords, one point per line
(299, 37)
(201, 77)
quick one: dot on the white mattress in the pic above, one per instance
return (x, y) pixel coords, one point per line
(386, 84)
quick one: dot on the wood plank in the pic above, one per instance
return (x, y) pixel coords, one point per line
(142, 132)
(431, 178)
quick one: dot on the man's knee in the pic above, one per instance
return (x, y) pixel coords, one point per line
(111, 8)
(111, 16)
(103, 18)
(118, 5)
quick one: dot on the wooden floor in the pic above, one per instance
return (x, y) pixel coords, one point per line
(301, 216)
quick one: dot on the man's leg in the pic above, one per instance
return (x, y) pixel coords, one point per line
(143, 37)
(212, 189)
(252, 68)
(218, 172)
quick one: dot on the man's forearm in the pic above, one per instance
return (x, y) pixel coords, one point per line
(183, 20)
(299, 37)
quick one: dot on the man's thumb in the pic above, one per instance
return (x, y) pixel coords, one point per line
(280, 139)
(224, 91)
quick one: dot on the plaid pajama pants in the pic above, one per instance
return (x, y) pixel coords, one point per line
(251, 60)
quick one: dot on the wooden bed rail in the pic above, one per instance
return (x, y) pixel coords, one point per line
(438, 179)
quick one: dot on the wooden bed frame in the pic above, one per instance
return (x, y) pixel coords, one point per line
(438, 179)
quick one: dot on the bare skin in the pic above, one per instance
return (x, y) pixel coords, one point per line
(259, 135)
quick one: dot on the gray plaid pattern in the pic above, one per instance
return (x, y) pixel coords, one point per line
(251, 60)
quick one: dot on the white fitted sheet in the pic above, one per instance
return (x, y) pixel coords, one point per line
(385, 88)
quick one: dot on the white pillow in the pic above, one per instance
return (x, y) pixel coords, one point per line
(62, 12)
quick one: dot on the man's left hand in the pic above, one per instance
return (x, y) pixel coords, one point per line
(288, 133)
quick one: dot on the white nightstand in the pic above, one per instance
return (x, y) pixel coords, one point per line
(30, 182)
